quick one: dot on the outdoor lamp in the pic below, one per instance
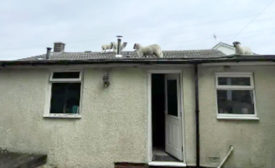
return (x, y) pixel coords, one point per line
(105, 79)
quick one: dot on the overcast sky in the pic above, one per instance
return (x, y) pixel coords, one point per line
(28, 27)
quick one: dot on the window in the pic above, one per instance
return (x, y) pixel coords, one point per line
(172, 96)
(65, 95)
(235, 96)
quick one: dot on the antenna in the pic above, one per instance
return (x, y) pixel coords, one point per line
(215, 37)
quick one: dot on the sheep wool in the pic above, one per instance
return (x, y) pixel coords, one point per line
(106, 47)
(153, 49)
(241, 50)
(121, 46)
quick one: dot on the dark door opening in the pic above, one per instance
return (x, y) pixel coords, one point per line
(158, 119)
(158, 107)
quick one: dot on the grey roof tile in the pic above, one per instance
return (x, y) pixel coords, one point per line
(126, 54)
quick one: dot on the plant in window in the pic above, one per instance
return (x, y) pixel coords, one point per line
(65, 92)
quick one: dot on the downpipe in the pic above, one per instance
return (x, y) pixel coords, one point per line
(197, 111)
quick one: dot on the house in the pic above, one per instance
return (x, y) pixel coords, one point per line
(224, 48)
(93, 109)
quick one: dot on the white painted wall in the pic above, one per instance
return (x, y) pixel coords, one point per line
(253, 141)
(225, 48)
(226, 51)
(113, 127)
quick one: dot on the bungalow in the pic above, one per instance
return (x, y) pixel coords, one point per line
(189, 108)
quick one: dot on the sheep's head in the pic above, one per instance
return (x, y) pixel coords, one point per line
(112, 44)
(124, 44)
(236, 43)
(136, 46)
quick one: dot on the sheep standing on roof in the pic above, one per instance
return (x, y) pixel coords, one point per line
(107, 47)
(153, 49)
(241, 50)
(122, 46)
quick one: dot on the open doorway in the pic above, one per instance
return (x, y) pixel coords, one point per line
(166, 119)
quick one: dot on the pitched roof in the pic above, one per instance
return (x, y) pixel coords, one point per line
(130, 57)
(126, 55)
(224, 45)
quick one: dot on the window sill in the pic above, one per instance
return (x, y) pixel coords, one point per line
(69, 116)
(237, 117)
(167, 163)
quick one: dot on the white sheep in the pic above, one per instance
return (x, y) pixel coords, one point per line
(153, 49)
(122, 46)
(241, 50)
(107, 47)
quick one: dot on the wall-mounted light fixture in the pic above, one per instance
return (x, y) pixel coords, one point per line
(106, 80)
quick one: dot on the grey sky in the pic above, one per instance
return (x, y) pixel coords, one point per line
(28, 27)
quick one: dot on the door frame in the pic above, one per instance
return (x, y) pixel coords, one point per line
(149, 133)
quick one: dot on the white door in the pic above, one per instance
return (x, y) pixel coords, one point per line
(173, 131)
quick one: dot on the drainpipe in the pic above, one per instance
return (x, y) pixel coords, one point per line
(197, 117)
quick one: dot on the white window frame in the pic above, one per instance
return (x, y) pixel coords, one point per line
(47, 113)
(69, 80)
(236, 87)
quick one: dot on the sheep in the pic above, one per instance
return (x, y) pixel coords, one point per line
(124, 44)
(107, 47)
(153, 49)
(241, 50)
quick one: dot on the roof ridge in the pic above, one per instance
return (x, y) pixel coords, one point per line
(130, 51)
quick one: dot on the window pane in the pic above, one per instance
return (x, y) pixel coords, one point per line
(235, 101)
(65, 75)
(65, 98)
(240, 81)
(172, 97)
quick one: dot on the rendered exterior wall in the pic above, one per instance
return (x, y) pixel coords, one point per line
(113, 127)
(189, 126)
(253, 141)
